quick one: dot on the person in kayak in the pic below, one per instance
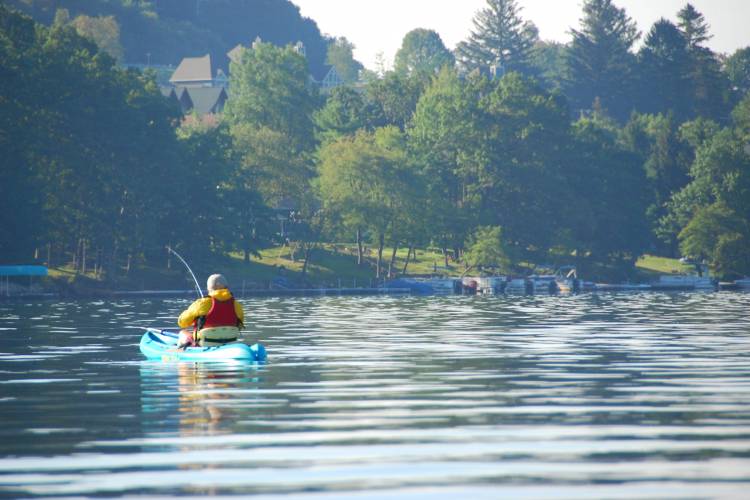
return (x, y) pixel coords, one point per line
(215, 319)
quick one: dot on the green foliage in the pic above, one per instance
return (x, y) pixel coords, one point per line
(737, 68)
(344, 113)
(694, 26)
(394, 98)
(104, 31)
(713, 211)
(600, 64)
(500, 38)
(665, 71)
(365, 181)
(165, 31)
(270, 89)
(549, 61)
(444, 139)
(341, 56)
(607, 221)
(419, 156)
(666, 159)
(422, 52)
(484, 248)
(708, 85)
(521, 181)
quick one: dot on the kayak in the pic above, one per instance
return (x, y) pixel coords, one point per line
(162, 345)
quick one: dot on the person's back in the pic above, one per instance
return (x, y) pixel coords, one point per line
(215, 319)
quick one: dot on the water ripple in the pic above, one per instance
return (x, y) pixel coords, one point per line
(642, 395)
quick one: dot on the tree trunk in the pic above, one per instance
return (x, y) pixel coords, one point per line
(359, 247)
(393, 260)
(408, 255)
(381, 244)
(75, 255)
(445, 256)
(308, 252)
(468, 268)
(83, 257)
(110, 269)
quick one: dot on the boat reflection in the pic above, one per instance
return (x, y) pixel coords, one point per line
(194, 399)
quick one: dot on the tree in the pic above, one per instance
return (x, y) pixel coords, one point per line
(709, 86)
(666, 157)
(366, 180)
(526, 131)
(341, 56)
(270, 116)
(422, 52)
(393, 99)
(717, 234)
(741, 117)
(606, 220)
(693, 26)
(549, 63)
(713, 210)
(664, 70)
(500, 39)
(737, 67)
(484, 248)
(444, 139)
(280, 174)
(344, 112)
(600, 62)
(270, 89)
(103, 30)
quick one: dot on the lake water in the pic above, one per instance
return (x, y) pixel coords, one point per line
(608, 396)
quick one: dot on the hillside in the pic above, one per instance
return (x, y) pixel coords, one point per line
(164, 31)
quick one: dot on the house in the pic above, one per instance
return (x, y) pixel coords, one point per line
(193, 72)
(206, 100)
(331, 80)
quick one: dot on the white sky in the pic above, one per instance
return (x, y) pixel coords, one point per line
(380, 25)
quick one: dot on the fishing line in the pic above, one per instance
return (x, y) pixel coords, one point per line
(197, 286)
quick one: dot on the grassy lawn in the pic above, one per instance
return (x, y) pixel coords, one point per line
(663, 265)
(331, 266)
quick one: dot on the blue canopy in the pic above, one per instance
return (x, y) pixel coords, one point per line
(23, 271)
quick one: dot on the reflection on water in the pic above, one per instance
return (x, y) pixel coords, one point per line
(589, 396)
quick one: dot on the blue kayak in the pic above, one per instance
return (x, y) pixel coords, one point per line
(162, 345)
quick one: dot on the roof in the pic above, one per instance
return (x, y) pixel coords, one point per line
(235, 53)
(207, 99)
(167, 92)
(193, 69)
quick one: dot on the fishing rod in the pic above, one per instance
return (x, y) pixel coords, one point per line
(197, 286)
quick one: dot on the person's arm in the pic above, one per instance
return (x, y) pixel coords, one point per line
(239, 312)
(199, 308)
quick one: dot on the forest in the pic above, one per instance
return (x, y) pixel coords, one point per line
(506, 151)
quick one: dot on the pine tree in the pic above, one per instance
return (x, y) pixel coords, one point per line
(693, 26)
(710, 86)
(600, 63)
(664, 72)
(500, 39)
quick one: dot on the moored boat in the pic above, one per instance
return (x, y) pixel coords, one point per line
(684, 282)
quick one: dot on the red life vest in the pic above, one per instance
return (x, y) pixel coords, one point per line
(221, 314)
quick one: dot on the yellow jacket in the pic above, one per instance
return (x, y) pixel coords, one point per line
(202, 306)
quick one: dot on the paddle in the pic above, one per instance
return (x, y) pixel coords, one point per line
(166, 333)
